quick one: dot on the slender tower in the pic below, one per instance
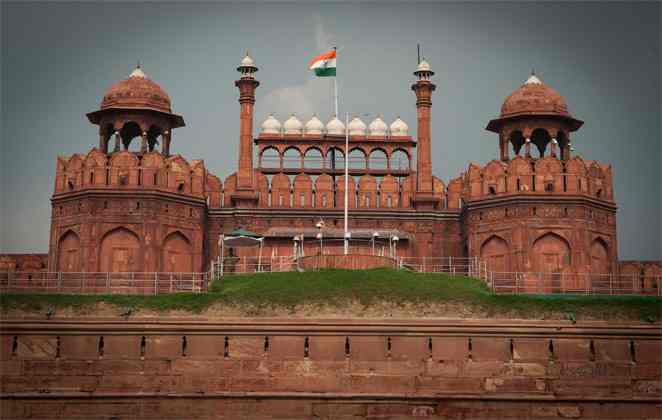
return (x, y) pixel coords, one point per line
(424, 198)
(246, 194)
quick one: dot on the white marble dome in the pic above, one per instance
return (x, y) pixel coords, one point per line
(335, 126)
(399, 128)
(292, 125)
(423, 66)
(271, 125)
(377, 127)
(247, 61)
(314, 126)
(357, 127)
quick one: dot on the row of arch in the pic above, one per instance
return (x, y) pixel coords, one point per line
(315, 158)
(305, 191)
(541, 139)
(150, 136)
(550, 253)
(546, 175)
(121, 250)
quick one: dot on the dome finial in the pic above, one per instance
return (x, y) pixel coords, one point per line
(137, 72)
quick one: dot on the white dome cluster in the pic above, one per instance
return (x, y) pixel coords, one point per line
(314, 126)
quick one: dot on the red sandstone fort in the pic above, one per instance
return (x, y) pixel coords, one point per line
(131, 205)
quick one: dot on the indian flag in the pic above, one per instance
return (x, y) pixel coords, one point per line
(324, 65)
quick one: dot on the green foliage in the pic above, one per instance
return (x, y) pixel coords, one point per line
(337, 287)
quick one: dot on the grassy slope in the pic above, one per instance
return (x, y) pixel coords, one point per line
(337, 287)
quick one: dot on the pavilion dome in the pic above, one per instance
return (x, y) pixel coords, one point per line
(292, 125)
(399, 128)
(271, 125)
(534, 97)
(335, 126)
(377, 127)
(314, 126)
(423, 66)
(137, 92)
(357, 127)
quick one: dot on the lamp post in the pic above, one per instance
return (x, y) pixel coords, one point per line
(374, 237)
(319, 225)
(394, 245)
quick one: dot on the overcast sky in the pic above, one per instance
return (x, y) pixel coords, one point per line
(59, 58)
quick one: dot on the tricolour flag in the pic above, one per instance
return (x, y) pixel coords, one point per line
(324, 65)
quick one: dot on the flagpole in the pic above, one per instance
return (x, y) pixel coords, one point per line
(346, 181)
(335, 85)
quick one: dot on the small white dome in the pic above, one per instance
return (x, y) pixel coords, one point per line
(247, 61)
(533, 80)
(137, 72)
(314, 126)
(271, 125)
(293, 125)
(335, 126)
(423, 66)
(357, 127)
(377, 127)
(399, 128)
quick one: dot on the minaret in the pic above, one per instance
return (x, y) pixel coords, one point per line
(424, 198)
(246, 195)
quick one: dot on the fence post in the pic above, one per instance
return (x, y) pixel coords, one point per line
(108, 281)
(82, 284)
(9, 280)
(156, 283)
(170, 282)
(59, 280)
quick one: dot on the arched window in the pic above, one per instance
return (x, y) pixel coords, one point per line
(335, 159)
(399, 160)
(292, 158)
(516, 140)
(270, 158)
(313, 159)
(540, 138)
(378, 159)
(130, 131)
(357, 159)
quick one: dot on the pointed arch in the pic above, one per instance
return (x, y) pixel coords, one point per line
(177, 253)
(324, 191)
(550, 253)
(600, 261)
(494, 251)
(378, 159)
(120, 251)
(313, 158)
(68, 250)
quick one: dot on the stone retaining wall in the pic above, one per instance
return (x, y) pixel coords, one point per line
(340, 369)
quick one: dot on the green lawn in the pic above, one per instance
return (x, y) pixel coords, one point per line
(337, 287)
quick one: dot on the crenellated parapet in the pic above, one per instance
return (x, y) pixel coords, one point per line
(126, 170)
(542, 177)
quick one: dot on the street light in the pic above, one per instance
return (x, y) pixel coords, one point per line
(320, 225)
(374, 237)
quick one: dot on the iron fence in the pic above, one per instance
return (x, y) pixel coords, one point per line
(573, 283)
(243, 265)
(131, 283)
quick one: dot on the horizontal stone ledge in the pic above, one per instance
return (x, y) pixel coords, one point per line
(409, 397)
(313, 327)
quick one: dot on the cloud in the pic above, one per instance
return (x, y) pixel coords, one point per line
(312, 96)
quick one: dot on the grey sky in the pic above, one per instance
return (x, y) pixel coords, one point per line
(59, 58)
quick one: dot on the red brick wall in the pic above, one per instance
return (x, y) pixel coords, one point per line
(297, 369)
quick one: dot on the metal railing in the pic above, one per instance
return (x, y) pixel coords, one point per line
(468, 266)
(242, 265)
(573, 283)
(131, 283)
